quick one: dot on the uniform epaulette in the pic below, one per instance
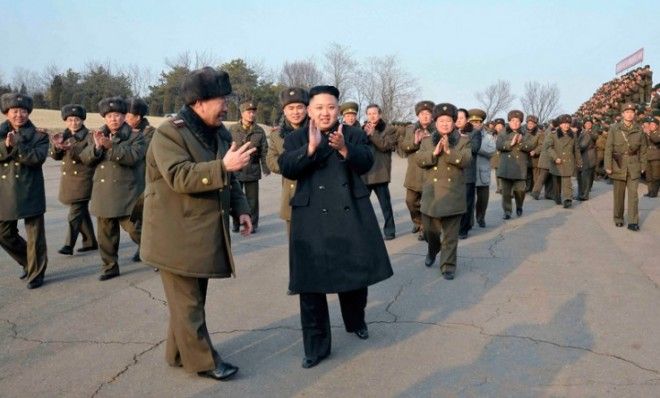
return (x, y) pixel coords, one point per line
(178, 122)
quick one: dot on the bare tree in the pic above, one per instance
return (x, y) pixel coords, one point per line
(495, 98)
(140, 79)
(193, 60)
(540, 100)
(29, 79)
(383, 81)
(303, 74)
(340, 69)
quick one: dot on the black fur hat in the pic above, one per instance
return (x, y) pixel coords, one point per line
(293, 95)
(137, 106)
(16, 100)
(565, 119)
(203, 84)
(74, 110)
(517, 114)
(112, 104)
(332, 90)
(424, 106)
(445, 109)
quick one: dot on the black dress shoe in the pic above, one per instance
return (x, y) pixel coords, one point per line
(136, 257)
(105, 277)
(633, 227)
(534, 195)
(235, 228)
(311, 362)
(462, 235)
(519, 212)
(568, 204)
(482, 224)
(618, 224)
(23, 274)
(255, 230)
(415, 229)
(429, 260)
(66, 249)
(421, 237)
(506, 217)
(448, 275)
(223, 371)
(37, 282)
(88, 249)
(362, 333)
(389, 237)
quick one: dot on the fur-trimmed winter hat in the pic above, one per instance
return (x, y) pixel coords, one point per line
(16, 100)
(205, 83)
(293, 95)
(332, 90)
(565, 118)
(247, 106)
(74, 110)
(517, 114)
(112, 104)
(499, 120)
(629, 106)
(424, 106)
(445, 109)
(533, 119)
(137, 106)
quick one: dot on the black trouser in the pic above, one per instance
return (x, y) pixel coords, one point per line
(383, 194)
(585, 178)
(315, 319)
(482, 203)
(468, 217)
(80, 222)
(251, 189)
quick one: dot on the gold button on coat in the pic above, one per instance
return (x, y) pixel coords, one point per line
(205, 181)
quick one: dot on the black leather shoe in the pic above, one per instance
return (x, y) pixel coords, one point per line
(389, 237)
(362, 333)
(136, 257)
(568, 204)
(482, 224)
(462, 235)
(66, 249)
(35, 283)
(223, 371)
(421, 237)
(235, 228)
(255, 230)
(506, 217)
(534, 195)
(619, 224)
(105, 277)
(88, 249)
(311, 362)
(448, 275)
(633, 227)
(23, 274)
(519, 212)
(429, 260)
(415, 229)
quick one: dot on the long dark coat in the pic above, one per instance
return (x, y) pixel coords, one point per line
(335, 244)
(22, 192)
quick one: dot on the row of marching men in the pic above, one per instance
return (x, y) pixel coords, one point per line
(102, 175)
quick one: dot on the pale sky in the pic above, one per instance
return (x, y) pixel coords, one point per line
(453, 49)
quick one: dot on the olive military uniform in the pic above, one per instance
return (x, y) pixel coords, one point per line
(513, 168)
(653, 166)
(563, 146)
(625, 156)
(22, 196)
(585, 175)
(542, 177)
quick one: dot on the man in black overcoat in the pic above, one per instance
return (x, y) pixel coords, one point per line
(335, 243)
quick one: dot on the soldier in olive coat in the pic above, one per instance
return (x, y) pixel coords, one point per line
(625, 160)
(294, 103)
(383, 138)
(335, 245)
(443, 194)
(415, 136)
(191, 187)
(532, 128)
(653, 158)
(23, 151)
(244, 131)
(587, 145)
(136, 118)
(115, 152)
(498, 127)
(564, 154)
(514, 148)
(349, 112)
(76, 180)
(543, 179)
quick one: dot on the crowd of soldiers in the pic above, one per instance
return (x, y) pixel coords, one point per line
(175, 189)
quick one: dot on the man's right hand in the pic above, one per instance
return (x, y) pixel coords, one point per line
(237, 158)
(10, 140)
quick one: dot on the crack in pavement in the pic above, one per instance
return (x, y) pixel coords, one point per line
(257, 330)
(394, 300)
(151, 296)
(136, 359)
(13, 327)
